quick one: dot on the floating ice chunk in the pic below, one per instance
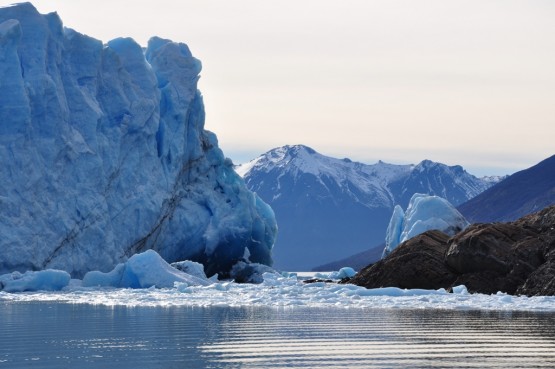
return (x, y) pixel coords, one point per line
(144, 270)
(100, 279)
(221, 286)
(183, 287)
(190, 267)
(345, 272)
(289, 275)
(423, 213)
(460, 290)
(320, 275)
(271, 279)
(395, 292)
(44, 280)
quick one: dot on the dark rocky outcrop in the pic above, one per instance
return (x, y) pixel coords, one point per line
(516, 258)
(425, 256)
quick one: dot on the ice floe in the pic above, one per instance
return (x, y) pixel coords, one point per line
(280, 291)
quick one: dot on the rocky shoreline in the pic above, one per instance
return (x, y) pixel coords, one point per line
(516, 258)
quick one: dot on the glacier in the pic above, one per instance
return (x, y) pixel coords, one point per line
(104, 155)
(423, 213)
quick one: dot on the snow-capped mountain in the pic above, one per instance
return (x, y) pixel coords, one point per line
(104, 154)
(330, 208)
(452, 183)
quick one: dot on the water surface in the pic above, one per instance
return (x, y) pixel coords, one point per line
(66, 335)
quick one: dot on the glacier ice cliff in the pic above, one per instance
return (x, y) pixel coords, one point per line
(424, 213)
(104, 155)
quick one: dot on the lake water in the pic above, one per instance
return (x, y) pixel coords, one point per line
(69, 335)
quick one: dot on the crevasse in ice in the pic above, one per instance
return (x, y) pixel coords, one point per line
(104, 155)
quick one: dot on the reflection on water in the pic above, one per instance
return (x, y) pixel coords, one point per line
(60, 335)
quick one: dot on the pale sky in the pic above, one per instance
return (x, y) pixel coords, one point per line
(460, 82)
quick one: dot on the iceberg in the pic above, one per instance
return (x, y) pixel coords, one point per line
(143, 270)
(424, 213)
(345, 272)
(104, 155)
(44, 280)
(190, 267)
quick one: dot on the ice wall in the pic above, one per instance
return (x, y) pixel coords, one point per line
(104, 154)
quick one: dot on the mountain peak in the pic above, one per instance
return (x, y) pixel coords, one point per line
(301, 159)
(288, 156)
(291, 152)
(427, 164)
(299, 148)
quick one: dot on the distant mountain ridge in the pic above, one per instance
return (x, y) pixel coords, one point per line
(357, 261)
(516, 196)
(330, 208)
(520, 194)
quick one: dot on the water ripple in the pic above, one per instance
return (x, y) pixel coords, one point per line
(66, 335)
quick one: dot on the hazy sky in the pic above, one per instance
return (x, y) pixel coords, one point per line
(461, 82)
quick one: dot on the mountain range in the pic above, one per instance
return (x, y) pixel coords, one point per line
(516, 196)
(329, 208)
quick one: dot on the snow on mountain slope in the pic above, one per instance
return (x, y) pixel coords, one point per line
(104, 154)
(330, 208)
(355, 179)
(452, 183)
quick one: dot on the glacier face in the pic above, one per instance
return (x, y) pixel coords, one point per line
(104, 155)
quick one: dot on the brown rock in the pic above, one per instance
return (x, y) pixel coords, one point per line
(418, 264)
(541, 282)
(517, 257)
(484, 247)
